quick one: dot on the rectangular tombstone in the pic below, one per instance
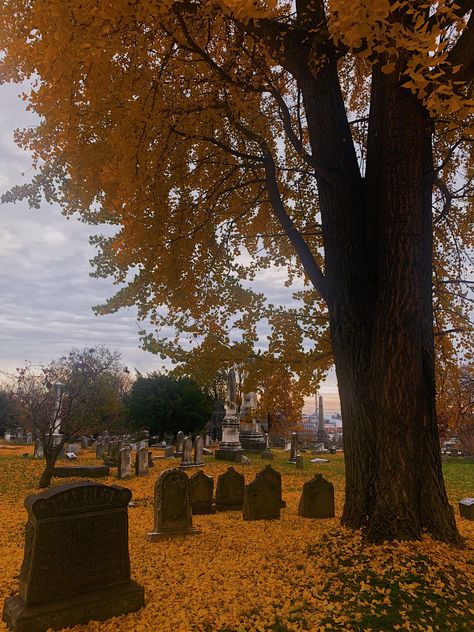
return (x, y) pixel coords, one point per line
(261, 499)
(179, 444)
(8, 437)
(125, 463)
(141, 462)
(187, 459)
(76, 565)
(29, 438)
(74, 447)
(230, 490)
(274, 476)
(466, 508)
(201, 488)
(84, 442)
(173, 514)
(198, 451)
(99, 449)
(317, 498)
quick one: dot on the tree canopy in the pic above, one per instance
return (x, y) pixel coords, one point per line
(163, 404)
(331, 139)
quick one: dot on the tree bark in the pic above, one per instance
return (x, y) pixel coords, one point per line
(377, 236)
(47, 474)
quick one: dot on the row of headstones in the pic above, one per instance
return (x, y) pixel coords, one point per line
(18, 436)
(178, 497)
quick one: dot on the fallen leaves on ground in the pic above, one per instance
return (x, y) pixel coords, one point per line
(283, 575)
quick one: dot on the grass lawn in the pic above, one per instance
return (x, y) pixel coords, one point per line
(289, 574)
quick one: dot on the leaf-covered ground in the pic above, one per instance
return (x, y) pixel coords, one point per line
(289, 574)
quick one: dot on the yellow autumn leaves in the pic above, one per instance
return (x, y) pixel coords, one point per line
(284, 575)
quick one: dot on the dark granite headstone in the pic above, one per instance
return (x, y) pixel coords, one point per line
(201, 488)
(81, 471)
(173, 515)
(76, 565)
(230, 490)
(275, 477)
(466, 508)
(262, 499)
(317, 499)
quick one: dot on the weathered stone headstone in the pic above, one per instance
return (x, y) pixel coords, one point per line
(106, 441)
(84, 442)
(230, 490)
(141, 462)
(198, 451)
(38, 450)
(201, 488)
(466, 508)
(299, 462)
(168, 451)
(173, 514)
(187, 459)
(294, 448)
(179, 444)
(74, 447)
(29, 438)
(76, 565)
(19, 434)
(99, 449)
(150, 458)
(125, 463)
(275, 477)
(317, 498)
(8, 437)
(261, 499)
(71, 456)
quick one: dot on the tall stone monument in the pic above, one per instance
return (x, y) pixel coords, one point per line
(230, 448)
(76, 565)
(321, 435)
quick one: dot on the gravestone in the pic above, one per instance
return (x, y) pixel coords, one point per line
(466, 508)
(172, 507)
(294, 448)
(299, 462)
(81, 471)
(179, 444)
(141, 462)
(38, 450)
(8, 437)
(84, 442)
(261, 499)
(275, 477)
(230, 490)
(76, 564)
(74, 447)
(125, 463)
(106, 442)
(29, 438)
(150, 458)
(99, 449)
(317, 498)
(201, 488)
(198, 451)
(168, 451)
(187, 459)
(19, 434)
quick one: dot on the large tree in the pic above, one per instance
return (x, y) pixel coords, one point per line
(79, 392)
(222, 136)
(164, 404)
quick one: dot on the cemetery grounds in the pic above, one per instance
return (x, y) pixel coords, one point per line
(289, 574)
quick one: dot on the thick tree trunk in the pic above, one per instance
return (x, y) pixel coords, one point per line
(378, 265)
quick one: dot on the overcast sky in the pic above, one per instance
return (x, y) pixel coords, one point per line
(47, 294)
